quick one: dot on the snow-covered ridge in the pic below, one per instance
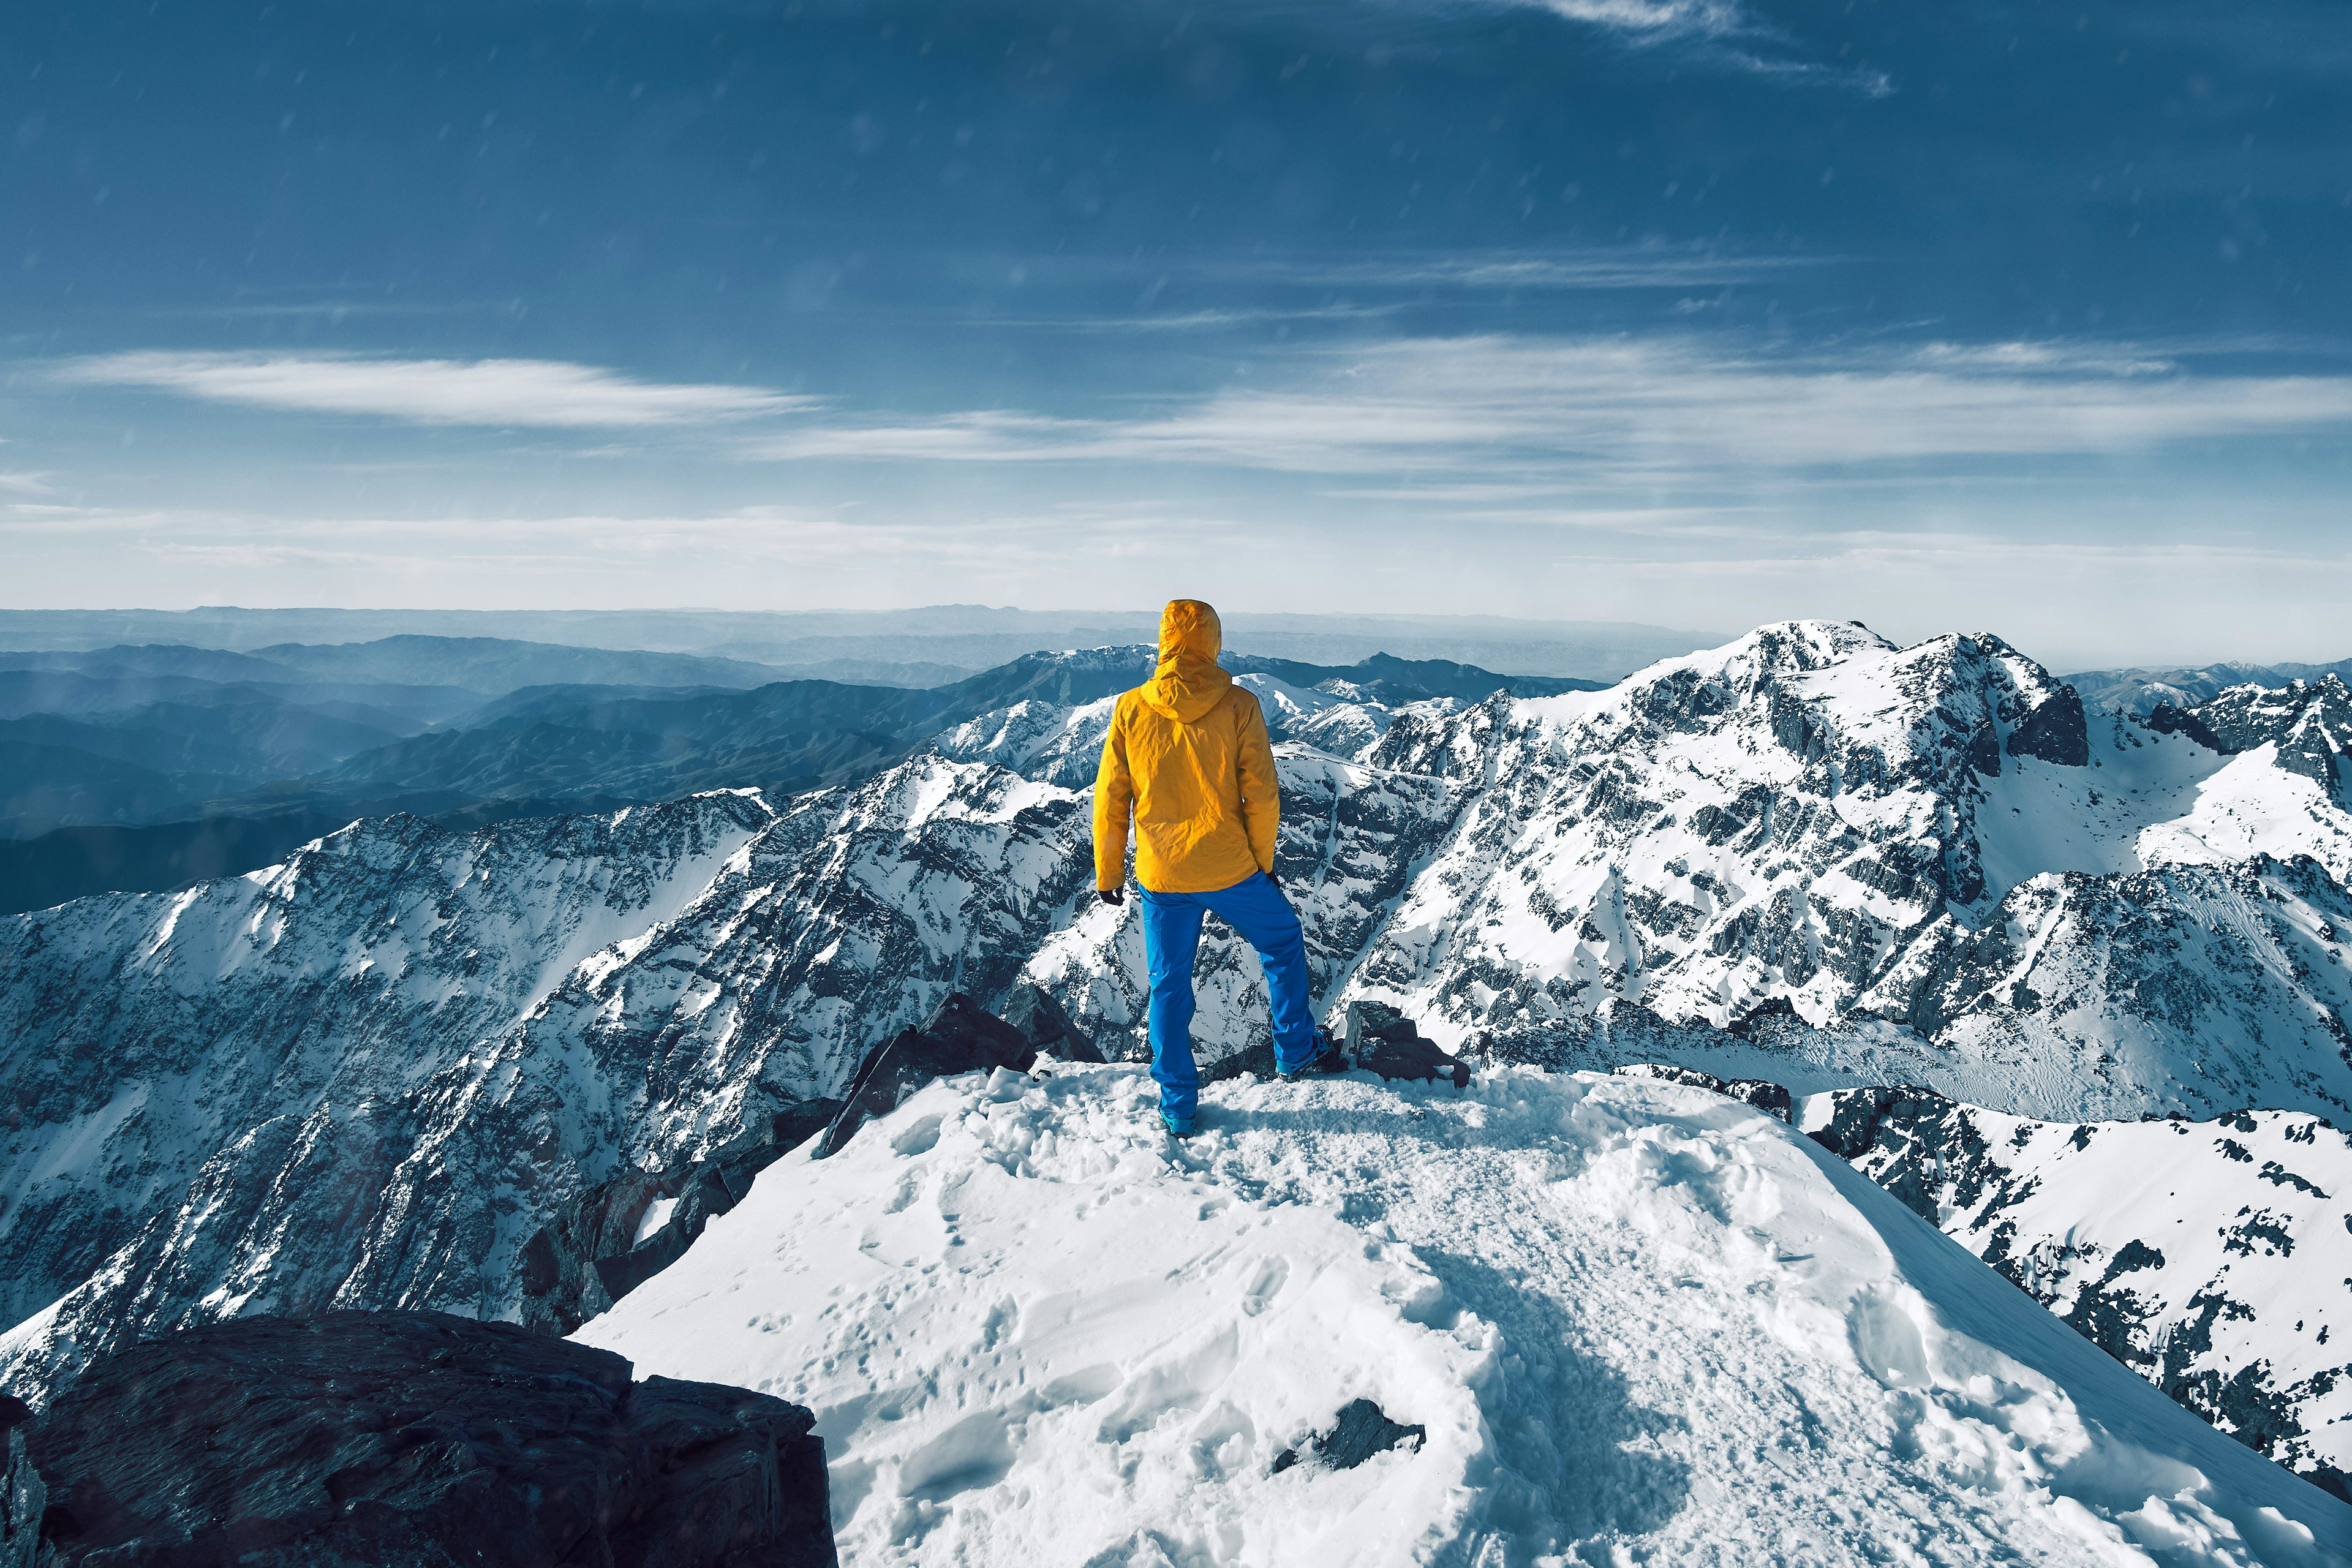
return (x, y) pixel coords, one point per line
(1813, 814)
(1640, 1323)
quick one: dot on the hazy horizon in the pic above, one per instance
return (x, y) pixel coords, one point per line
(922, 627)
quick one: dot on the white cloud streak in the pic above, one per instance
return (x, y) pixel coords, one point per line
(1637, 410)
(502, 393)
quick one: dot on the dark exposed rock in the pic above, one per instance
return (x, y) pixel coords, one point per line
(592, 1254)
(1772, 1098)
(1257, 1057)
(22, 1497)
(415, 1440)
(1362, 1430)
(1628, 1034)
(1861, 1115)
(2054, 732)
(1383, 1041)
(1033, 1010)
(2170, 721)
(1984, 751)
(961, 1037)
(1746, 1024)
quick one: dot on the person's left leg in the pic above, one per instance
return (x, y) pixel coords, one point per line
(1265, 919)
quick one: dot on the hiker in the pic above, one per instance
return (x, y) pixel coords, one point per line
(1188, 756)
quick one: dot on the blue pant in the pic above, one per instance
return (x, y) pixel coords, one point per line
(1172, 934)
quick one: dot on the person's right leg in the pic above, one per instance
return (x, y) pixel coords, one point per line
(1265, 919)
(1171, 935)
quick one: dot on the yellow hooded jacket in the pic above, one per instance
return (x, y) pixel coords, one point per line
(1188, 756)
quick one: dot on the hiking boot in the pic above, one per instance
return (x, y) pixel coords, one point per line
(1175, 1129)
(1327, 1057)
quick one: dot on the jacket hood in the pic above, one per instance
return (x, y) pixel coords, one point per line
(1188, 682)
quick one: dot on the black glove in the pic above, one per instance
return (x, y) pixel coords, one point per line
(1111, 895)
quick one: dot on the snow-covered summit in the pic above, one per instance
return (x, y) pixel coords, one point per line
(1813, 815)
(1639, 1322)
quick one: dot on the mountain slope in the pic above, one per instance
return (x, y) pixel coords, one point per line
(2193, 1253)
(2143, 690)
(1637, 1322)
(274, 1091)
(1815, 819)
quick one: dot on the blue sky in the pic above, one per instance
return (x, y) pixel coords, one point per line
(2029, 318)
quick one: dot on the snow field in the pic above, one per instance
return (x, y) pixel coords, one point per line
(1642, 1324)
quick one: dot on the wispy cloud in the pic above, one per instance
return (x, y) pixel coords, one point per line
(1654, 16)
(1731, 34)
(1635, 409)
(493, 392)
(1615, 267)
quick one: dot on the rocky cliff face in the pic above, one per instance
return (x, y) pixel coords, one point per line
(370, 1075)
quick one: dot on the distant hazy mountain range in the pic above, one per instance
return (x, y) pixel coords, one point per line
(2143, 690)
(147, 766)
(928, 647)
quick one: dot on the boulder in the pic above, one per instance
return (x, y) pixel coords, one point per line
(1383, 1041)
(419, 1440)
(598, 1247)
(961, 1036)
(22, 1497)
(1361, 1430)
(1033, 1010)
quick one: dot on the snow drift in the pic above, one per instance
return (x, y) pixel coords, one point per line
(1639, 1322)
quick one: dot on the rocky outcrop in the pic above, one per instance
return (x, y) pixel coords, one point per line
(2309, 723)
(1033, 1011)
(1771, 1098)
(23, 1497)
(1383, 1041)
(2053, 731)
(961, 1037)
(1361, 1430)
(415, 1440)
(620, 1233)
